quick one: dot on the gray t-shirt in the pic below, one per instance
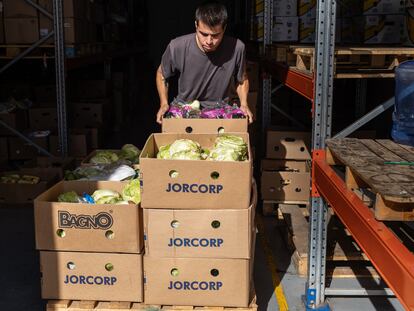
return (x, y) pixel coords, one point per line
(207, 77)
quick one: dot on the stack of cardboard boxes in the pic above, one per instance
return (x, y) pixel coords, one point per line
(358, 22)
(89, 252)
(286, 170)
(199, 227)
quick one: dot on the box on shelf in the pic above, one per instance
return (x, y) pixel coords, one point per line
(350, 8)
(257, 27)
(13, 8)
(288, 145)
(88, 114)
(43, 118)
(16, 120)
(197, 281)
(200, 233)
(371, 7)
(307, 28)
(25, 193)
(79, 144)
(307, 8)
(74, 28)
(91, 276)
(52, 164)
(352, 30)
(285, 29)
(84, 227)
(409, 26)
(21, 30)
(285, 7)
(71, 8)
(285, 181)
(193, 184)
(174, 125)
(22, 150)
(384, 29)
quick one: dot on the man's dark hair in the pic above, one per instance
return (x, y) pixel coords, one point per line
(212, 14)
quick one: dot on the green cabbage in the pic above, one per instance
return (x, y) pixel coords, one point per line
(229, 148)
(104, 157)
(181, 149)
(69, 197)
(130, 152)
(186, 155)
(132, 191)
(164, 152)
(104, 196)
(184, 145)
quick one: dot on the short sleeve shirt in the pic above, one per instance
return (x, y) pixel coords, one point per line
(204, 76)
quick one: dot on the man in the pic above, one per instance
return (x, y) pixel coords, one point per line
(209, 63)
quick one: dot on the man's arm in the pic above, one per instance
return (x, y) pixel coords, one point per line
(242, 92)
(162, 88)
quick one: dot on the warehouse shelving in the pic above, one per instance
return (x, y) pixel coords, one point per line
(63, 64)
(391, 258)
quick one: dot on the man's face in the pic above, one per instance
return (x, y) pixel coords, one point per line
(209, 38)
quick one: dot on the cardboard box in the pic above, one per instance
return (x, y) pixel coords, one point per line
(53, 164)
(21, 30)
(91, 276)
(71, 8)
(89, 114)
(307, 8)
(43, 118)
(26, 193)
(352, 29)
(258, 27)
(78, 144)
(384, 29)
(85, 227)
(21, 150)
(197, 281)
(74, 28)
(285, 181)
(307, 28)
(409, 26)
(214, 126)
(383, 7)
(13, 8)
(200, 233)
(288, 145)
(285, 29)
(285, 7)
(16, 120)
(193, 184)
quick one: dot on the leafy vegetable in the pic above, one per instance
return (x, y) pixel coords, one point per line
(229, 148)
(104, 157)
(103, 196)
(132, 191)
(69, 197)
(181, 149)
(130, 152)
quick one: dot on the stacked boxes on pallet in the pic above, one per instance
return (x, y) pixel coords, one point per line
(89, 252)
(198, 222)
(286, 169)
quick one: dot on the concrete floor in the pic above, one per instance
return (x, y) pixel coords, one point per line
(20, 285)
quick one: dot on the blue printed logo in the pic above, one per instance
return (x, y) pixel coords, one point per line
(195, 242)
(195, 285)
(194, 188)
(90, 280)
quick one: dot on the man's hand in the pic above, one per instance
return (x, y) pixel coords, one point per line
(247, 112)
(163, 109)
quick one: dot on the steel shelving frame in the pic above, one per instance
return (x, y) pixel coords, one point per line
(393, 261)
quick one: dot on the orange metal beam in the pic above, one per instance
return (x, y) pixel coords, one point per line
(394, 262)
(298, 81)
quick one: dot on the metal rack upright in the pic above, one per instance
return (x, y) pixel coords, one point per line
(393, 261)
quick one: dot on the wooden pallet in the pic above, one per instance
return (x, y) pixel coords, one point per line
(344, 257)
(350, 62)
(76, 305)
(365, 168)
